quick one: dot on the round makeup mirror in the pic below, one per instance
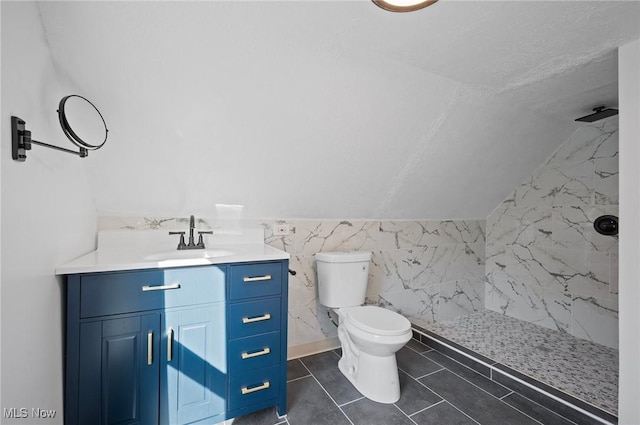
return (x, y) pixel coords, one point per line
(82, 123)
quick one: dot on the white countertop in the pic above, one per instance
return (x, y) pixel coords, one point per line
(131, 250)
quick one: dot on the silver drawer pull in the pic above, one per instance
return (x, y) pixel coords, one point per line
(257, 278)
(264, 386)
(170, 345)
(256, 319)
(256, 354)
(150, 348)
(161, 287)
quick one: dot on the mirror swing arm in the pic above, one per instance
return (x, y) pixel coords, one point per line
(21, 140)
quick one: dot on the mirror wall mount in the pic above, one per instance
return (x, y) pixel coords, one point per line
(21, 140)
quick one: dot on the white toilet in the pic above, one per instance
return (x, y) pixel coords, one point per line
(369, 335)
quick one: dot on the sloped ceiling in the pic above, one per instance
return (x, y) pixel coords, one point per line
(333, 109)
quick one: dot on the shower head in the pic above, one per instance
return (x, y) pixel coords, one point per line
(599, 113)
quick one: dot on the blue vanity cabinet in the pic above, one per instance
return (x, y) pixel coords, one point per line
(146, 347)
(162, 346)
(257, 328)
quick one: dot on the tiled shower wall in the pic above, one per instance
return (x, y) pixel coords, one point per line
(544, 261)
(431, 270)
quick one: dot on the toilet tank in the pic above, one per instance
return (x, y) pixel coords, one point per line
(342, 278)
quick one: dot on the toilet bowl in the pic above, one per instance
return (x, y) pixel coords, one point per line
(369, 335)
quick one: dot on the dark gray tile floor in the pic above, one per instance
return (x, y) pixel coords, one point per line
(434, 390)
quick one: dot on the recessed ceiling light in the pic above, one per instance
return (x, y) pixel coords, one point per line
(403, 5)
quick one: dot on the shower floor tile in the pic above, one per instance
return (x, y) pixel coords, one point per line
(580, 368)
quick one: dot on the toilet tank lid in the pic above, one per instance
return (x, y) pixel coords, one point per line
(343, 257)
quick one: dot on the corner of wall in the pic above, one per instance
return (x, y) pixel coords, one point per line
(629, 103)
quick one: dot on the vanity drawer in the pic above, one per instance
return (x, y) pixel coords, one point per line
(254, 386)
(253, 318)
(255, 280)
(124, 292)
(254, 352)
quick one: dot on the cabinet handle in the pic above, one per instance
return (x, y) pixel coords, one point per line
(256, 354)
(150, 348)
(147, 288)
(264, 386)
(170, 345)
(256, 319)
(257, 278)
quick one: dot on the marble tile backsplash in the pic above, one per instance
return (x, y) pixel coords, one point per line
(431, 270)
(545, 263)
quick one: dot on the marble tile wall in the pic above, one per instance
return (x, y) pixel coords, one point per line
(426, 269)
(544, 261)
(431, 270)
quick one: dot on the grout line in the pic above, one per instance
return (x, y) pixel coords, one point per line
(405, 415)
(471, 383)
(327, 393)
(446, 401)
(403, 412)
(411, 420)
(474, 371)
(422, 376)
(458, 362)
(345, 415)
(428, 407)
(305, 366)
(352, 401)
(525, 383)
(529, 416)
(298, 378)
(426, 350)
(506, 395)
(542, 407)
(456, 407)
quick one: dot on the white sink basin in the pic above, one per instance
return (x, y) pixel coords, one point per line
(190, 254)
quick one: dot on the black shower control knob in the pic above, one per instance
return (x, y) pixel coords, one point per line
(606, 225)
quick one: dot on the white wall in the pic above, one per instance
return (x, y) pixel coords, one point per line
(1, 156)
(629, 101)
(295, 109)
(48, 218)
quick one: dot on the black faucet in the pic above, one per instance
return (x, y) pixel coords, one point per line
(192, 244)
(192, 226)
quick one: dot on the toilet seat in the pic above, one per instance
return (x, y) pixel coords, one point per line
(377, 320)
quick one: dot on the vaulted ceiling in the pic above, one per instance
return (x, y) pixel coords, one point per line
(332, 109)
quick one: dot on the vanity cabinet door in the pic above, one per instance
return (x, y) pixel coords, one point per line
(119, 371)
(194, 370)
